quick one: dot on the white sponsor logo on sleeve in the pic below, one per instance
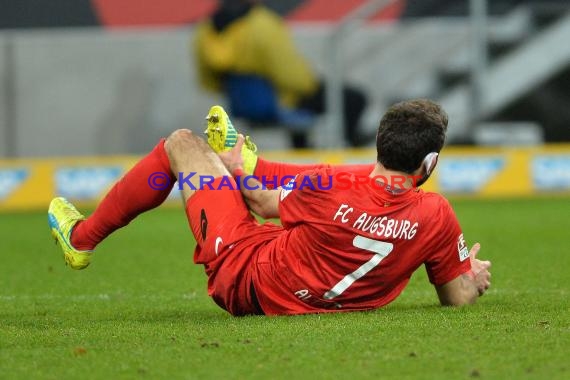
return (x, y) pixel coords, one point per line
(287, 189)
(462, 248)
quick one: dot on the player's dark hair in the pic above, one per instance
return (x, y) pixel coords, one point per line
(408, 131)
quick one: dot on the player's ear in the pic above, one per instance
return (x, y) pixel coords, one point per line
(429, 163)
(427, 167)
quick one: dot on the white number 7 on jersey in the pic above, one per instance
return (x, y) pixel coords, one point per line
(381, 250)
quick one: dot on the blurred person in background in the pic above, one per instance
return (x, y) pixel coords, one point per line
(245, 39)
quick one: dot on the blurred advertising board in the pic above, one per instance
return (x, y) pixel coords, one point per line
(30, 184)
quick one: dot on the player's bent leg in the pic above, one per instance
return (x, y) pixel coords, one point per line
(219, 219)
(200, 174)
(132, 195)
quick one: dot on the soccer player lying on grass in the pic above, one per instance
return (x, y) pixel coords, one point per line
(345, 244)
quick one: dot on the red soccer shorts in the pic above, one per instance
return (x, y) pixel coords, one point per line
(228, 238)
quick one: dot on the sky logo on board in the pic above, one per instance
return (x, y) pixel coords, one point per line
(468, 174)
(85, 183)
(551, 172)
(11, 180)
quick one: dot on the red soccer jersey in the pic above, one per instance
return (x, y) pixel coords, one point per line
(356, 248)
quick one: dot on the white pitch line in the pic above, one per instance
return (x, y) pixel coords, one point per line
(91, 297)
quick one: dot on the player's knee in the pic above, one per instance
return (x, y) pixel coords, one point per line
(178, 140)
(180, 134)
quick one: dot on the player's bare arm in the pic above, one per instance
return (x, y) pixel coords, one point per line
(264, 202)
(466, 288)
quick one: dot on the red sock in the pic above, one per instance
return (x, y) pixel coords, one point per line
(282, 169)
(129, 197)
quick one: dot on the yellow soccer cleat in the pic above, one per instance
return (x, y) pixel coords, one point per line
(62, 217)
(222, 136)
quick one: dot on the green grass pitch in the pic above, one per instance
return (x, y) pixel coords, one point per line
(141, 310)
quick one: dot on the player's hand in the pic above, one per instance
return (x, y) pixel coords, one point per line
(480, 269)
(232, 159)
